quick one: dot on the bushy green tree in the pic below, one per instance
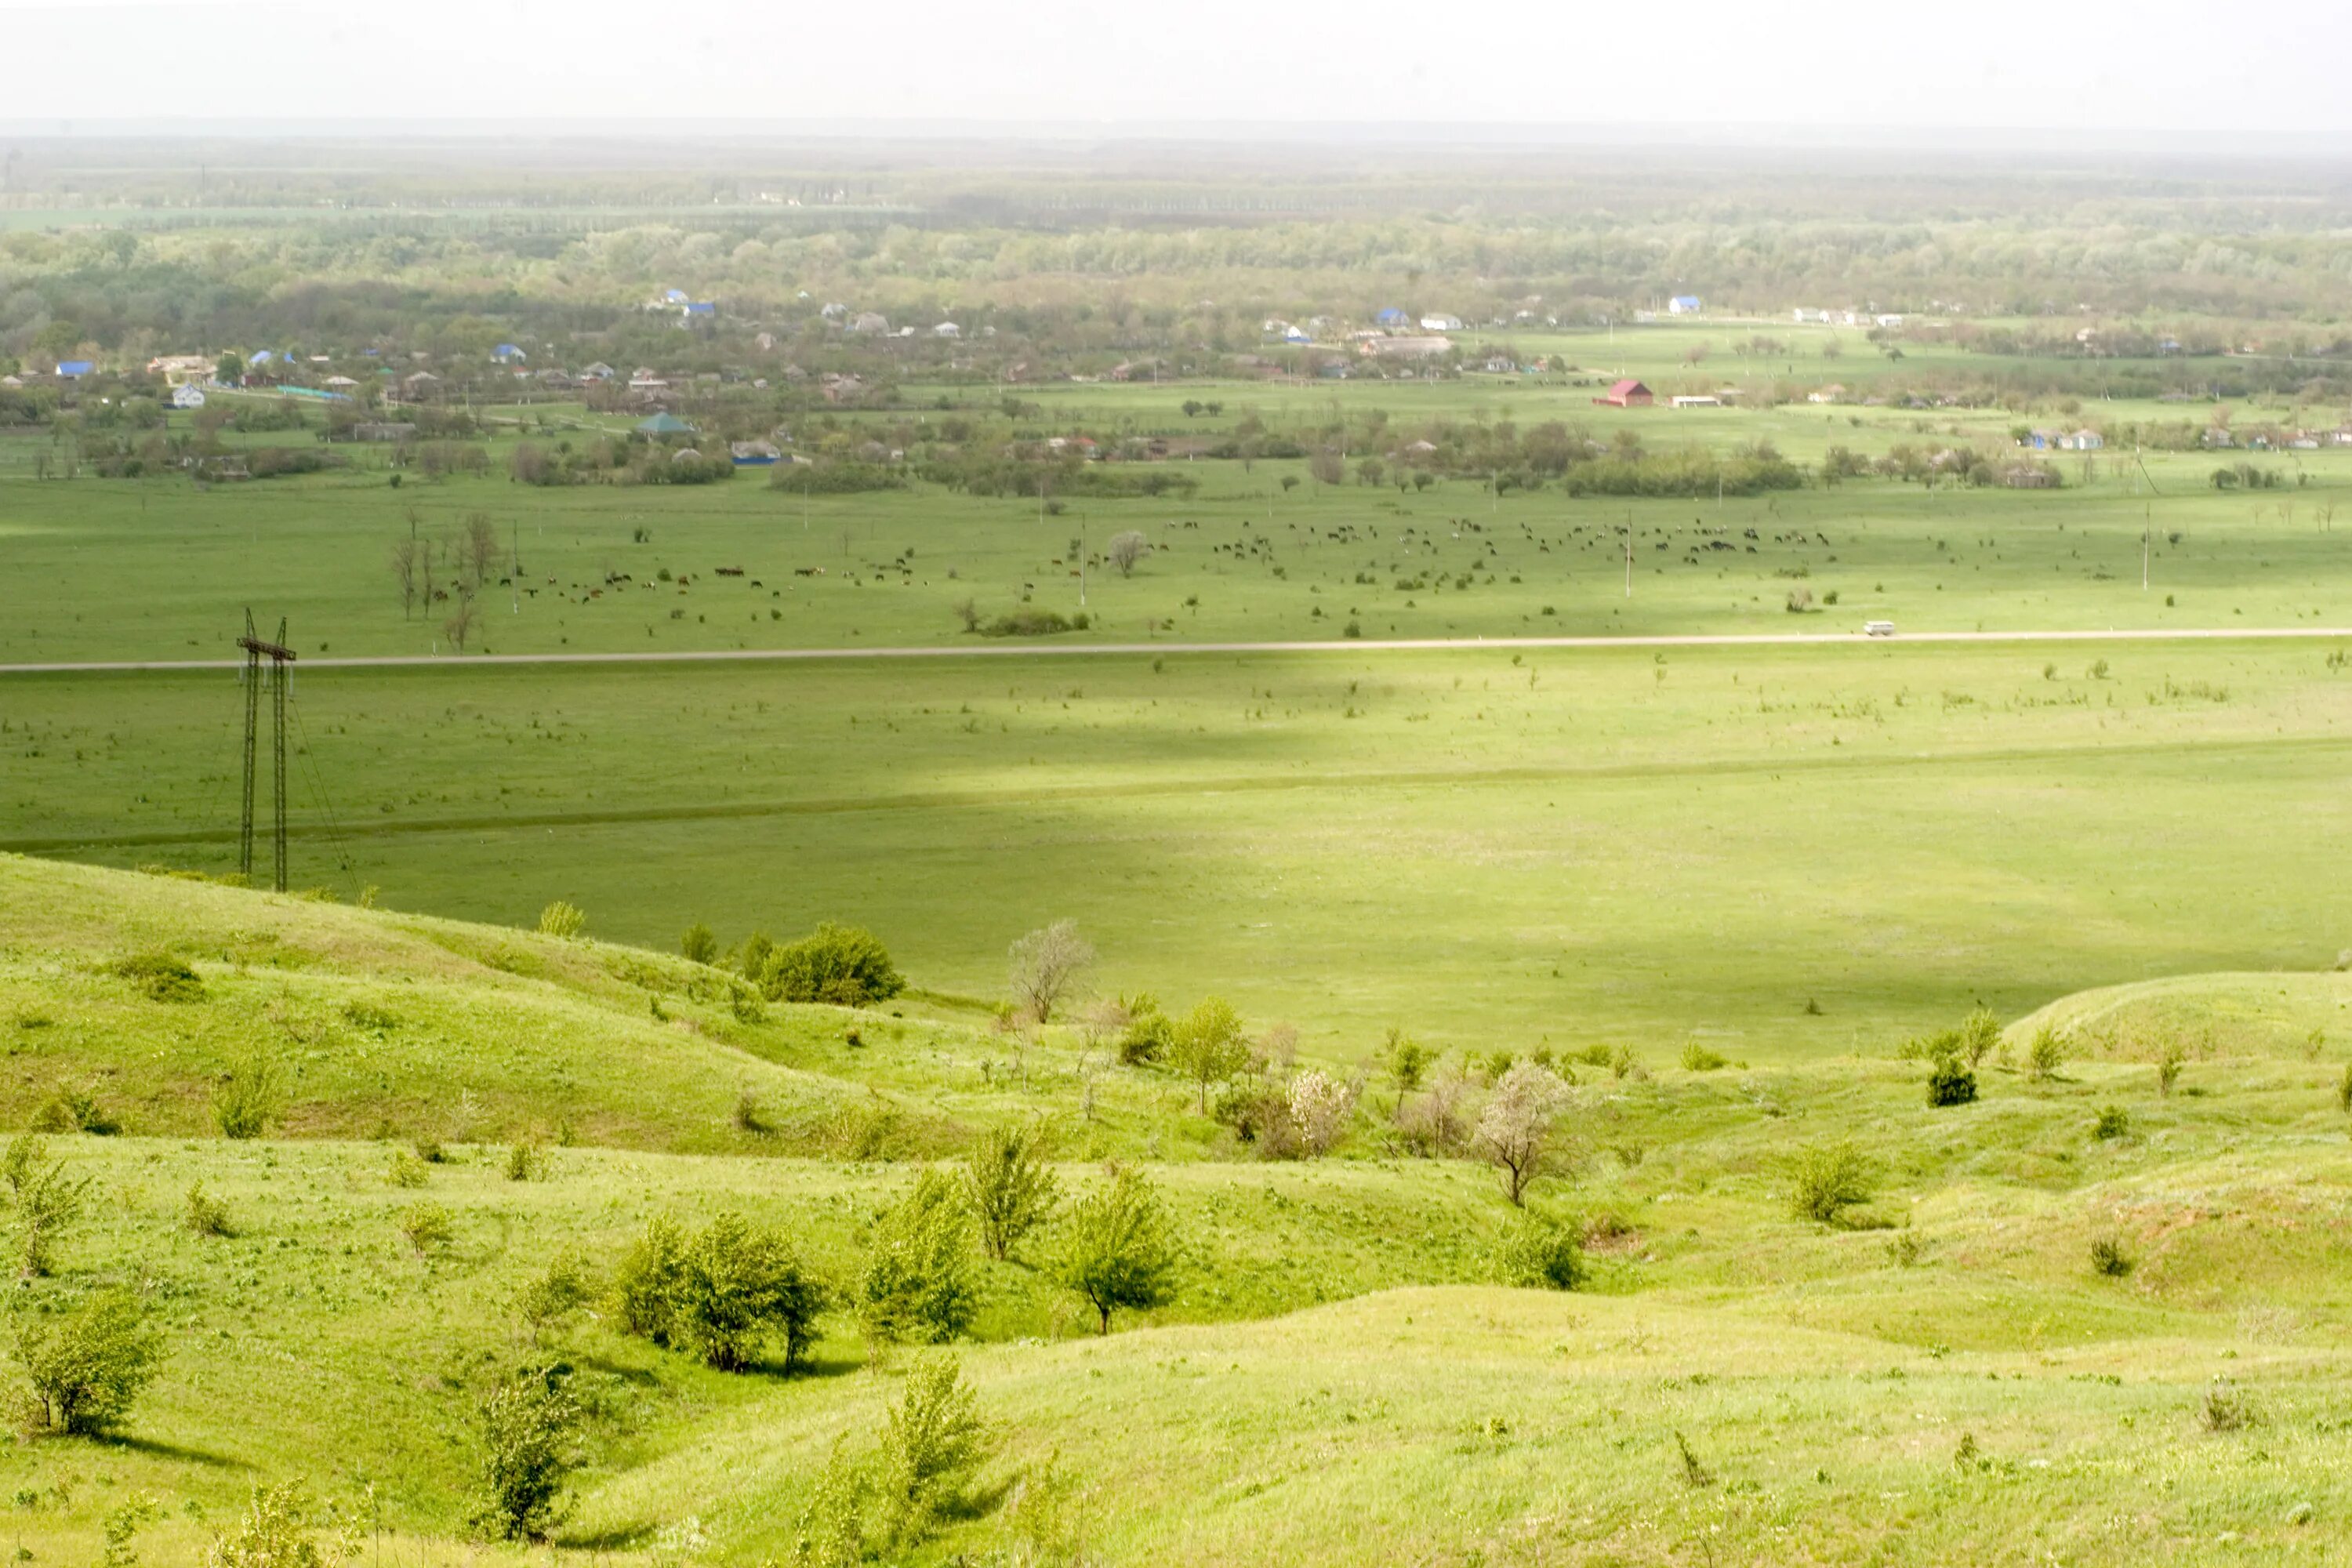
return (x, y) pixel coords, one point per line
(249, 1097)
(1118, 1247)
(841, 964)
(1827, 1179)
(918, 1282)
(698, 944)
(724, 1294)
(1150, 1033)
(933, 1441)
(647, 1277)
(1207, 1046)
(1009, 1186)
(1950, 1081)
(45, 1201)
(528, 1427)
(88, 1362)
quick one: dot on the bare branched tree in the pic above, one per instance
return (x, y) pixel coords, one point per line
(460, 626)
(1125, 550)
(478, 553)
(404, 573)
(1048, 968)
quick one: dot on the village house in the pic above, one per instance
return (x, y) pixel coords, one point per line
(1627, 393)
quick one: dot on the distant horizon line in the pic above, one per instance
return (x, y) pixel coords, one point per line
(1696, 136)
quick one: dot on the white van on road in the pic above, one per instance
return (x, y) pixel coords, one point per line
(1878, 628)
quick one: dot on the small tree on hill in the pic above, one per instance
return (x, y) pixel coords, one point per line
(1515, 1129)
(932, 1440)
(1826, 1180)
(529, 1428)
(698, 945)
(737, 1285)
(917, 1282)
(1009, 1186)
(1118, 1249)
(1048, 966)
(87, 1365)
(1207, 1046)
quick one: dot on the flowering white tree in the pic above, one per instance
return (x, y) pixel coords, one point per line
(1320, 1107)
(1515, 1131)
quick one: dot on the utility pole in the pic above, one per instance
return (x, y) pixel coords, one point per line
(280, 657)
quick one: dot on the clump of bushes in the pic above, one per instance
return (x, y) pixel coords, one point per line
(160, 976)
(1540, 1253)
(1952, 1082)
(204, 1215)
(2114, 1121)
(248, 1098)
(1829, 1180)
(562, 918)
(2046, 1055)
(75, 1110)
(1698, 1059)
(725, 1293)
(428, 1228)
(2110, 1258)
(1032, 622)
(1119, 1250)
(844, 965)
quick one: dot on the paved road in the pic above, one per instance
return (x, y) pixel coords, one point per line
(1129, 649)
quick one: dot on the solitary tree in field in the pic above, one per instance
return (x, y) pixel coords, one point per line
(1209, 1047)
(460, 626)
(1048, 966)
(404, 573)
(1516, 1129)
(1125, 550)
(478, 553)
(1119, 1249)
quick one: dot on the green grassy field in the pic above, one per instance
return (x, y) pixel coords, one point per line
(1337, 1377)
(1485, 848)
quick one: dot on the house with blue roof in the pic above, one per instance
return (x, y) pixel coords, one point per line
(506, 353)
(75, 369)
(1683, 305)
(1390, 317)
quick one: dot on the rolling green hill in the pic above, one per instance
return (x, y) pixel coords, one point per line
(1943, 1376)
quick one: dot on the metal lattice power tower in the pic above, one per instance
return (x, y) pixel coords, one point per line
(279, 657)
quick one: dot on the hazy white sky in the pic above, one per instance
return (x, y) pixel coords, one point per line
(2168, 66)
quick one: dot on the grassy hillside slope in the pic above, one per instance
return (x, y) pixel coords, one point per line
(1944, 1377)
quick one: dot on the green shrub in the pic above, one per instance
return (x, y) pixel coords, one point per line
(2224, 1409)
(1118, 1248)
(1979, 1036)
(918, 1282)
(405, 1169)
(933, 1440)
(840, 965)
(1698, 1059)
(47, 1200)
(88, 1363)
(751, 1116)
(2168, 1069)
(2108, 1258)
(206, 1214)
(1951, 1082)
(248, 1098)
(832, 1527)
(528, 1427)
(563, 920)
(1540, 1253)
(73, 1109)
(2114, 1121)
(737, 1284)
(2344, 1089)
(428, 1227)
(526, 1162)
(1008, 1185)
(2046, 1053)
(276, 1533)
(1031, 623)
(1150, 1033)
(160, 976)
(567, 1284)
(1826, 1180)
(698, 944)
